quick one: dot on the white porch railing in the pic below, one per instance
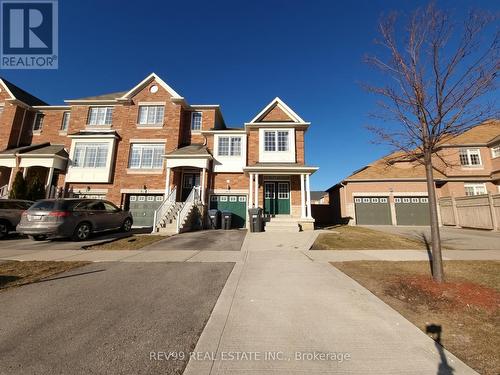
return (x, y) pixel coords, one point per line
(164, 206)
(4, 191)
(193, 197)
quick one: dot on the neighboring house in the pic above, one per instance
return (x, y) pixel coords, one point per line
(147, 148)
(392, 190)
(320, 197)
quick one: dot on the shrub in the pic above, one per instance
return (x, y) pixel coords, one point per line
(19, 188)
(36, 189)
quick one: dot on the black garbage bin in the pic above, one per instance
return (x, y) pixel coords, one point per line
(214, 216)
(226, 219)
(255, 215)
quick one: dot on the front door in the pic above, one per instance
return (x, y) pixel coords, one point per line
(277, 198)
(189, 181)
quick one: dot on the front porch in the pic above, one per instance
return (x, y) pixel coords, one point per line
(283, 192)
(43, 161)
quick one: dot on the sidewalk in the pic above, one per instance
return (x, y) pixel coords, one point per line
(281, 302)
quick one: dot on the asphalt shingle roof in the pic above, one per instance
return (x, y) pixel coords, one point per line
(22, 95)
(193, 149)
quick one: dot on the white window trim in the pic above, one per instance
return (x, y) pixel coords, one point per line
(229, 146)
(143, 125)
(62, 128)
(474, 187)
(493, 152)
(276, 142)
(201, 122)
(143, 146)
(86, 145)
(277, 156)
(38, 114)
(105, 115)
(468, 152)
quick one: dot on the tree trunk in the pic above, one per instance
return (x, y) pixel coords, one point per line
(437, 260)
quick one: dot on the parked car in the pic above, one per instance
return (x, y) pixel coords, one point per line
(10, 214)
(74, 218)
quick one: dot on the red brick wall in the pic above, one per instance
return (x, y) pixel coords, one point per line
(276, 115)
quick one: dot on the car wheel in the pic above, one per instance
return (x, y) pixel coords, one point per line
(38, 237)
(4, 229)
(127, 225)
(82, 232)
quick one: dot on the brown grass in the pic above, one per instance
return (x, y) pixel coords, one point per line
(15, 273)
(134, 242)
(359, 238)
(466, 306)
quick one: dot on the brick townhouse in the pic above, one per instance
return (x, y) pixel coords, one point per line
(393, 191)
(148, 150)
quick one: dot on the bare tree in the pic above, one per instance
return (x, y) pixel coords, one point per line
(440, 73)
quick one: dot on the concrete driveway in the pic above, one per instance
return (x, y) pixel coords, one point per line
(453, 238)
(17, 242)
(205, 240)
(108, 318)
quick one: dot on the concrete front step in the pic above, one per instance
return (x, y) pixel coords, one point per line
(281, 225)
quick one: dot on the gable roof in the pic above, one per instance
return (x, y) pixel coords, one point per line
(277, 103)
(479, 134)
(18, 93)
(147, 80)
(110, 96)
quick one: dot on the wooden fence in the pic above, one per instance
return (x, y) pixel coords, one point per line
(479, 211)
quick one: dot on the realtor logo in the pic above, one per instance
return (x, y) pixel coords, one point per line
(29, 34)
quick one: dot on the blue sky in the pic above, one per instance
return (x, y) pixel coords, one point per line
(239, 54)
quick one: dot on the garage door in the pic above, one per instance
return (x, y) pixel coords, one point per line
(372, 210)
(412, 210)
(237, 204)
(143, 208)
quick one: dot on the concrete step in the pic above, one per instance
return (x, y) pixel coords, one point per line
(281, 224)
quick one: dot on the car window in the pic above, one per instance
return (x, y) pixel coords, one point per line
(110, 207)
(25, 205)
(82, 206)
(4, 206)
(43, 206)
(97, 206)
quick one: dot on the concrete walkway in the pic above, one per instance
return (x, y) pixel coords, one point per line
(281, 312)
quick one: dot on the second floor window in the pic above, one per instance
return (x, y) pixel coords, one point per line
(90, 155)
(196, 120)
(100, 115)
(65, 121)
(151, 114)
(495, 152)
(470, 157)
(37, 124)
(276, 140)
(229, 146)
(146, 156)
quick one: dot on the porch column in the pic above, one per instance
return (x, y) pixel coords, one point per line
(12, 176)
(25, 172)
(302, 198)
(167, 183)
(308, 191)
(250, 191)
(256, 192)
(48, 185)
(202, 193)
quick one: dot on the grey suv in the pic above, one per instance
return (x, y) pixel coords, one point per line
(10, 214)
(75, 218)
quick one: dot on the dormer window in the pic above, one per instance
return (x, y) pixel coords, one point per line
(196, 121)
(470, 157)
(151, 115)
(37, 124)
(100, 116)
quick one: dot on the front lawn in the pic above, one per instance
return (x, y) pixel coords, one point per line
(466, 306)
(15, 273)
(134, 242)
(360, 238)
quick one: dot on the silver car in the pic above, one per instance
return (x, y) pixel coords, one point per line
(74, 218)
(10, 214)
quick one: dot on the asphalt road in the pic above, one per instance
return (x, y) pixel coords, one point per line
(106, 318)
(207, 240)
